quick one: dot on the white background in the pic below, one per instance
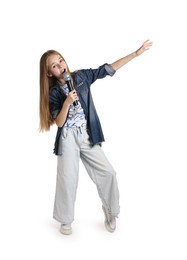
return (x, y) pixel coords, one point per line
(143, 112)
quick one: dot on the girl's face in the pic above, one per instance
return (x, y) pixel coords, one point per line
(56, 66)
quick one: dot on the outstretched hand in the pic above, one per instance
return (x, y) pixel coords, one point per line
(145, 46)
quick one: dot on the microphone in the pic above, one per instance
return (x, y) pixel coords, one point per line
(69, 84)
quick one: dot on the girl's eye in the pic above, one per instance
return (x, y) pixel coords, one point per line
(54, 67)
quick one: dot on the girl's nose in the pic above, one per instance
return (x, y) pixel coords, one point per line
(59, 66)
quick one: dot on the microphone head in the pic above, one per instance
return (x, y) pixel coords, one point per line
(66, 76)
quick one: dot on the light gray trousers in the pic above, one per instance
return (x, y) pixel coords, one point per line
(76, 145)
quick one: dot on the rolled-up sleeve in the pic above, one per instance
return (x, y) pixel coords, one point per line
(110, 69)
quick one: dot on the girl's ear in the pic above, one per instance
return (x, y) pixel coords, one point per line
(49, 74)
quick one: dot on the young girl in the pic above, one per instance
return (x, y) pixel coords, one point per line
(79, 133)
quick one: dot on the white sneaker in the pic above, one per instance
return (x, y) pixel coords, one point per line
(66, 229)
(110, 221)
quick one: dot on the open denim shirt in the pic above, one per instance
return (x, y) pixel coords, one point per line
(82, 82)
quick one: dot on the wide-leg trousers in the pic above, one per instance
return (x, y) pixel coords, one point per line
(75, 146)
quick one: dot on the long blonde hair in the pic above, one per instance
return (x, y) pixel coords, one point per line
(46, 83)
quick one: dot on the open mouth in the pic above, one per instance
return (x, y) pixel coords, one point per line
(62, 72)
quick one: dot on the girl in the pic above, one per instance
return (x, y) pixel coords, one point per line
(79, 134)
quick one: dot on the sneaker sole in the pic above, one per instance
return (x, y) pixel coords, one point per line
(65, 231)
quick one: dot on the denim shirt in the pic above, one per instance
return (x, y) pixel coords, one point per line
(82, 82)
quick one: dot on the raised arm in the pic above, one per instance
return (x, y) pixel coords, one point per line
(121, 62)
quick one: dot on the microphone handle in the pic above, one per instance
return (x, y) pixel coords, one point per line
(70, 87)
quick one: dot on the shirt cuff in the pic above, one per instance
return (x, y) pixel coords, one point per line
(110, 69)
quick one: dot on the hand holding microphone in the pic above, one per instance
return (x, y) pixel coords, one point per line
(71, 88)
(72, 98)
